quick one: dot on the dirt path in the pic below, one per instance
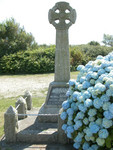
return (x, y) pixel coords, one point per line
(13, 86)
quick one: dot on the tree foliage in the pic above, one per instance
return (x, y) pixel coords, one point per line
(20, 54)
(108, 40)
(14, 38)
(94, 43)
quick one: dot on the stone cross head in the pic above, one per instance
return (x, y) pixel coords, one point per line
(62, 16)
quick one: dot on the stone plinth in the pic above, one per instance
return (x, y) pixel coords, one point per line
(56, 95)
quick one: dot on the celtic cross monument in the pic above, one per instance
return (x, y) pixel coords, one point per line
(61, 16)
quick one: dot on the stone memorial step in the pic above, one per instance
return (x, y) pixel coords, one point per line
(38, 136)
(32, 131)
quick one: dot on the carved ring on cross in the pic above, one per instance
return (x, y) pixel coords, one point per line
(62, 16)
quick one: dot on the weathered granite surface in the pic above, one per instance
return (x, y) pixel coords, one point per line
(11, 124)
(28, 98)
(22, 107)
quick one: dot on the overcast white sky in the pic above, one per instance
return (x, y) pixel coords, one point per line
(94, 18)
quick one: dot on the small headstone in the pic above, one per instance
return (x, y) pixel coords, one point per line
(22, 107)
(28, 98)
(11, 124)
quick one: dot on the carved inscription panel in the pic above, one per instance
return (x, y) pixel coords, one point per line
(57, 96)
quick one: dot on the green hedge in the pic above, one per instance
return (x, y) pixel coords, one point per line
(28, 62)
(41, 60)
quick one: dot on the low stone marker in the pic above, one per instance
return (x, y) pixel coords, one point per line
(22, 107)
(28, 98)
(11, 124)
(61, 16)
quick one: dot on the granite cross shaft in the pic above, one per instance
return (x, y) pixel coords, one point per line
(62, 16)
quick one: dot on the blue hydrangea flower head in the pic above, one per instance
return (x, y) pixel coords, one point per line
(74, 106)
(94, 128)
(85, 146)
(75, 94)
(88, 132)
(82, 79)
(111, 108)
(104, 98)
(100, 141)
(86, 84)
(108, 115)
(63, 115)
(88, 103)
(97, 103)
(95, 147)
(80, 67)
(106, 123)
(99, 121)
(70, 111)
(78, 123)
(86, 95)
(72, 82)
(94, 75)
(76, 145)
(86, 121)
(69, 135)
(64, 127)
(70, 129)
(65, 105)
(92, 112)
(103, 133)
(100, 86)
(78, 139)
(82, 108)
(80, 115)
(106, 105)
(99, 57)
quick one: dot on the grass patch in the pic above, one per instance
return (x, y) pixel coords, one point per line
(74, 75)
(37, 102)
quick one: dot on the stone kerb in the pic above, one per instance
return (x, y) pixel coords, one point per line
(11, 124)
(22, 107)
(28, 98)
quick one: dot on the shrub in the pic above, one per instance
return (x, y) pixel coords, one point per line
(88, 111)
(77, 57)
(30, 62)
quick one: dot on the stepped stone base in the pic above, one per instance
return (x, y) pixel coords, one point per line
(38, 136)
(46, 118)
(56, 95)
(32, 131)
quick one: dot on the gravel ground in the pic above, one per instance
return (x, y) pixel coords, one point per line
(13, 86)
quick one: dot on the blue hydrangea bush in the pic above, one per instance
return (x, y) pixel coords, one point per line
(88, 110)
